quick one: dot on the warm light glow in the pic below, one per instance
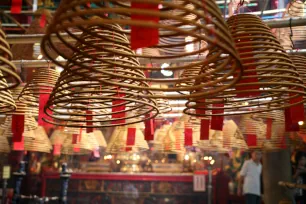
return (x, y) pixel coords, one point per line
(190, 46)
(212, 162)
(118, 161)
(40, 57)
(166, 73)
(107, 157)
(301, 122)
(209, 158)
(186, 157)
(59, 69)
(206, 158)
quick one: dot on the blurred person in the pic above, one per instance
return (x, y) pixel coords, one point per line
(250, 177)
(299, 176)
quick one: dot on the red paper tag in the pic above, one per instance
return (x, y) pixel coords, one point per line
(76, 149)
(251, 140)
(269, 128)
(16, 6)
(201, 111)
(127, 149)
(117, 107)
(289, 125)
(43, 99)
(17, 127)
(149, 130)
(75, 138)
(57, 149)
(18, 146)
(250, 70)
(42, 21)
(130, 141)
(204, 135)
(188, 136)
(297, 111)
(144, 36)
(217, 121)
(89, 121)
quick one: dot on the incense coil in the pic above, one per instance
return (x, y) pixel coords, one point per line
(7, 103)
(84, 95)
(30, 124)
(4, 145)
(100, 138)
(200, 20)
(43, 82)
(58, 137)
(40, 143)
(118, 140)
(7, 68)
(269, 82)
(82, 147)
(299, 63)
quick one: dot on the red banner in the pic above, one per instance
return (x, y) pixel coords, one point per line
(18, 146)
(43, 99)
(217, 121)
(75, 139)
(251, 140)
(117, 107)
(290, 126)
(149, 130)
(144, 36)
(204, 135)
(16, 6)
(17, 127)
(43, 20)
(188, 136)
(89, 122)
(297, 112)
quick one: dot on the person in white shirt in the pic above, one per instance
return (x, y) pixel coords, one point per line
(250, 177)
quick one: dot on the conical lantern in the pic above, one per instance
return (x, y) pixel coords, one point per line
(80, 147)
(40, 143)
(169, 26)
(58, 137)
(269, 82)
(101, 103)
(161, 140)
(233, 137)
(299, 63)
(29, 126)
(8, 70)
(4, 145)
(127, 138)
(7, 103)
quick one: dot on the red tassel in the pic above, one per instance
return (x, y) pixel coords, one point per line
(144, 36)
(217, 121)
(117, 107)
(75, 138)
(297, 112)
(269, 128)
(43, 99)
(204, 129)
(17, 127)
(188, 136)
(251, 140)
(19, 146)
(89, 121)
(250, 71)
(42, 21)
(289, 125)
(16, 6)
(149, 129)
(57, 149)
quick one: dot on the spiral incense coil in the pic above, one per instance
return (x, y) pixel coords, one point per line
(163, 104)
(4, 145)
(58, 137)
(40, 143)
(232, 136)
(22, 108)
(82, 147)
(7, 103)
(76, 102)
(43, 82)
(30, 124)
(299, 63)
(7, 68)
(269, 82)
(118, 140)
(182, 24)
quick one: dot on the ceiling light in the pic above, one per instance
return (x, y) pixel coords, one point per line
(166, 73)
(301, 123)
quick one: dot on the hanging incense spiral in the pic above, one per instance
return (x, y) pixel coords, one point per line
(269, 82)
(179, 28)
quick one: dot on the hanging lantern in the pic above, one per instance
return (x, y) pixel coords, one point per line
(169, 26)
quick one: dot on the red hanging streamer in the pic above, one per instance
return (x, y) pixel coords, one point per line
(188, 137)
(297, 112)
(149, 129)
(43, 20)
(57, 149)
(17, 127)
(16, 6)
(43, 99)
(89, 121)
(204, 135)
(19, 146)
(217, 121)
(200, 108)
(118, 106)
(290, 126)
(249, 71)
(130, 140)
(269, 128)
(144, 36)
(251, 140)
(75, 138)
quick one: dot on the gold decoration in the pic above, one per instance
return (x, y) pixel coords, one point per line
(182, 23)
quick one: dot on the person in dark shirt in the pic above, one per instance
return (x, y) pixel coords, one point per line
(299, 176)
